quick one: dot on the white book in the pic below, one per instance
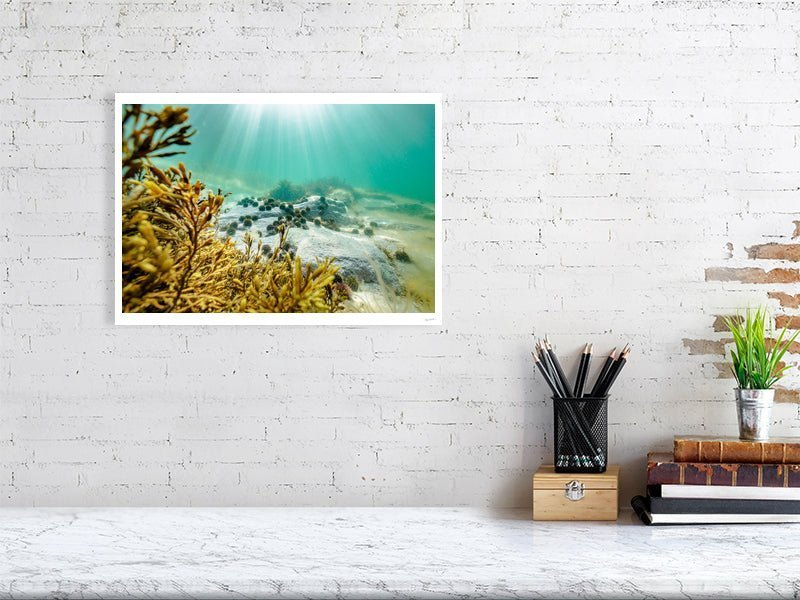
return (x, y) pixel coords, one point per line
(723, 492)
(687, 519)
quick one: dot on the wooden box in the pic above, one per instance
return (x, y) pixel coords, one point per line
(575, 496)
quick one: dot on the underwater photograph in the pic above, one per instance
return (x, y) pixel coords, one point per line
(278, 207)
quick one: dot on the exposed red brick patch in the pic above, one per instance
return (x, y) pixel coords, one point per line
(723, 370)
(719, 322)
(786, 300)
(796, 229)
(787, 395)
(788, 321)
(753, 275)
(775, 251)
(794, 347)
(705, 347)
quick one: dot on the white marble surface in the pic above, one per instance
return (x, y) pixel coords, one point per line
(382, 553)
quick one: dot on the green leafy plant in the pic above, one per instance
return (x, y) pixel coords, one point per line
(756, 360)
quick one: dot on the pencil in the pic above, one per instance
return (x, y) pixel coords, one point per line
(559, 371)
(598, 383)
(547, 359)
(583, 369)
(545, 374)
(545, 367)
(614, 373)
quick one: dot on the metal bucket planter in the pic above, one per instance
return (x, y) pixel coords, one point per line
(754, 409)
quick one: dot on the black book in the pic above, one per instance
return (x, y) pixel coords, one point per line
(642, 506)
(716, 506)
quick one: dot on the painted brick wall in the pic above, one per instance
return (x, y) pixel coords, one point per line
(613, 171)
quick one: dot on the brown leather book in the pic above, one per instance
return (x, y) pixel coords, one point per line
(663, 469)
(781, 451)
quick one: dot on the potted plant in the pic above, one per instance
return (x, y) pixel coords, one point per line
(756, 364)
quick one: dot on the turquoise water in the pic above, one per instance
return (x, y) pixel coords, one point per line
(385, 148)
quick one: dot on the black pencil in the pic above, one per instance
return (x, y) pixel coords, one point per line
(579, 373)
(614, 373)
(545, 374)
(598, 383)
(544, 366)
(547, 359)
(559, 371)
(583, 369)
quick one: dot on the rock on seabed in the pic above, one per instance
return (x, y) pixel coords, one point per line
(357, 255)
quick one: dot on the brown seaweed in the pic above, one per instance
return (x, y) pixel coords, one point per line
(172, 257)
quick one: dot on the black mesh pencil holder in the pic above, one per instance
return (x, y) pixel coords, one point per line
(581, 435)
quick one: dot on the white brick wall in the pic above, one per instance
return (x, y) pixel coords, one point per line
(598, 157)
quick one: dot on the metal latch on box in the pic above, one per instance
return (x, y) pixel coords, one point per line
(573, 490)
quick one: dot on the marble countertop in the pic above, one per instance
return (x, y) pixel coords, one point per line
(382, 553)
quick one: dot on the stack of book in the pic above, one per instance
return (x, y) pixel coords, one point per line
(722, 480)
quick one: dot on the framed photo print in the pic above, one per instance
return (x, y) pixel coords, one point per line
(270, 209)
